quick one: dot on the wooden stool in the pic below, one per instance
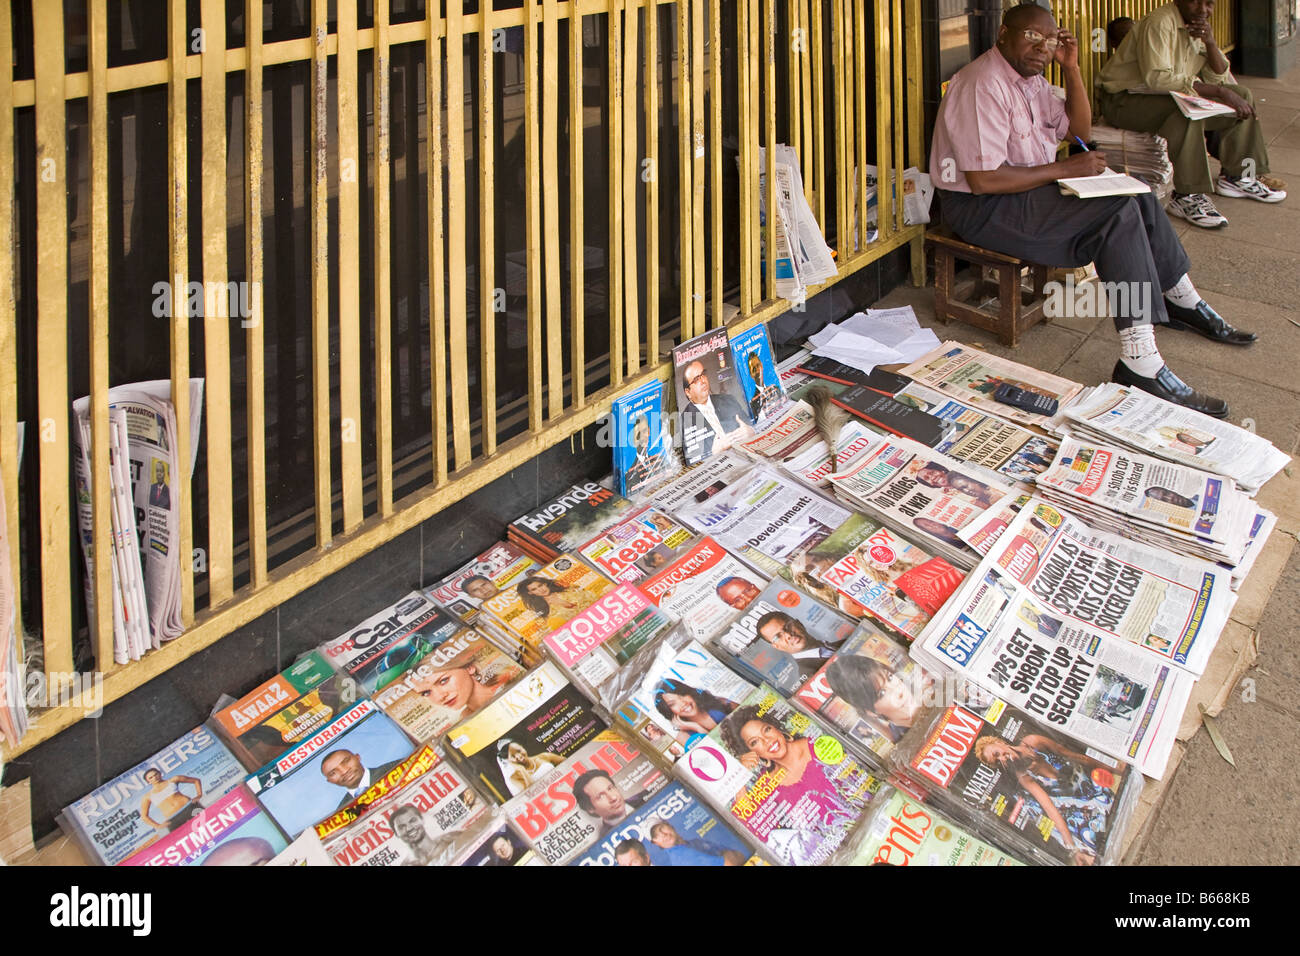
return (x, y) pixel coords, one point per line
(995, 298)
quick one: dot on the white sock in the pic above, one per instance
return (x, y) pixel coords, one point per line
(1183, 293)
(1137, 350)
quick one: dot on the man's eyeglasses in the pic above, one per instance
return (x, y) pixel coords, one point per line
(1049, 43)
(690, 382)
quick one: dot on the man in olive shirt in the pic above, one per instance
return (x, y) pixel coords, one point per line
(1173, 49)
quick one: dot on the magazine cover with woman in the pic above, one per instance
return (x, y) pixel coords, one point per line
(523, 734)
(539, 603)
(1029, 785)
(787, 781)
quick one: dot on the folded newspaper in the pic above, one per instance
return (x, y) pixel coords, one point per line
(1100, 636)
(1117, 414)
(145, 512)
(802, 257)
(972, 376)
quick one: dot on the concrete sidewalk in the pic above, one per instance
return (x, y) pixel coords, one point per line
(1205, 811)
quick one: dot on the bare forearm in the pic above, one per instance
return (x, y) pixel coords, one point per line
(1012, 179)
(1214, 58)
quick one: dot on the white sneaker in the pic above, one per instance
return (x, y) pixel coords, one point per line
(1197, 209)
(1247, 189)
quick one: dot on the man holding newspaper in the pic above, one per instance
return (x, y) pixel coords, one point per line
(994, 158)
(1172, 53)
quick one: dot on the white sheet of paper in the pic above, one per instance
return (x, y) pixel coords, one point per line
(857, 351)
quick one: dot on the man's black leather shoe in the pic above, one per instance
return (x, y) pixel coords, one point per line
(1171, 388)
(1207, 322)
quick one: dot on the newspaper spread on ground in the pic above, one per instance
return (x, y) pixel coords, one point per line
(972, 376)
(916, 489)
(1168, 505)
(981, 534)
(702, 481)
(151, 493)
(1114, 414)
(1020, 782)
(768, 519)
(1002, 629)
(1001, 448)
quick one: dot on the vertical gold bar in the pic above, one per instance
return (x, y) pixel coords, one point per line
(753, 132)
(685, 192)
(699, 287)
(715, 165)
(9, 338)
(550, 237)
(577, 242)
(748, 213)
(844, 179)
(216, 328)
(533, 216)
(614, 30)
(456, 340)
(101, 502)
(320, 305)
(551, 206)
(652, 181)
(794, 124)
(769, 124)
(178, 251)
(630, 170)
(819, 117)
(900, 99)
(806, 150)
(52, 340)
(916, 143)
(382, 245)
(882, 144)
(487, 308)
(434, 162)
(349, 278)
(254, 365)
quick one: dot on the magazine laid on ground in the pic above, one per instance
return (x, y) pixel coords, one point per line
(899, 831)
(232, 832)
(703, 481)
(157, 796)
(450, 683)
(390, 642)
(423, 814)
(542, 602)
(328, 770)
(705, 588)
(567, 520)
(784, 637)
(587, 801)
(793, 787)
(640, 544)
(524, 734)
(463, 591)
(683, 695)
(1023, 782)
(293, 704)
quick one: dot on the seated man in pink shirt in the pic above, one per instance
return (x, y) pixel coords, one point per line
(994, 160)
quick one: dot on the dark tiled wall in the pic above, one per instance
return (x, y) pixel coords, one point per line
(93, 751)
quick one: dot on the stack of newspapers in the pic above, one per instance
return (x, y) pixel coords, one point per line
(1144, 156)
(144, 512)
(802, 257)
(1172, 506)
(1119, 415)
